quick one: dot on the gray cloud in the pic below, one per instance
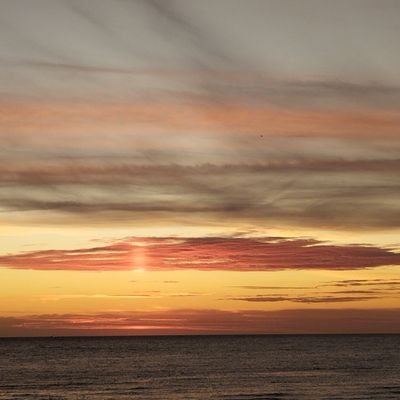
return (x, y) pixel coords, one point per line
(68, 49)
(83, 138)
(336, 194)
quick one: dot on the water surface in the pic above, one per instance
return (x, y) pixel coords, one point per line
(201, 367)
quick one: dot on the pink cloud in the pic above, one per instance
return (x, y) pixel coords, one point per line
(214, 253)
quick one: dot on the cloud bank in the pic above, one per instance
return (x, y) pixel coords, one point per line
(204, 322)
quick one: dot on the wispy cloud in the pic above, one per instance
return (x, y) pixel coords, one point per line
(186, 115)
(379, 283)
(148, 294)
(286, 189)
(258, 287)
(302, 299)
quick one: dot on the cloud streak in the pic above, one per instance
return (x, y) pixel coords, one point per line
(207, 254)
(303, 299)
(182, 114)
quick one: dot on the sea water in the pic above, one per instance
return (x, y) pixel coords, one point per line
(201, 367)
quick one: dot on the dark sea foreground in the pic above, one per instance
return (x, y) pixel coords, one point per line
(213, 367)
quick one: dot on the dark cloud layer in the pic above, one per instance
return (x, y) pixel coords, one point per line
(339, 194)
(205, 322)
(230, 254)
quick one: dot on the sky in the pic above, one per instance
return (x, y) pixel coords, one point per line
(199, 167)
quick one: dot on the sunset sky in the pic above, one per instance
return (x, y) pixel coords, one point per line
(199, 167)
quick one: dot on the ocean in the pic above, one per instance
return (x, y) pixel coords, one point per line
(201, 367)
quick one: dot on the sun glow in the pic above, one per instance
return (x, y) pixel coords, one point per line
(139, 258)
